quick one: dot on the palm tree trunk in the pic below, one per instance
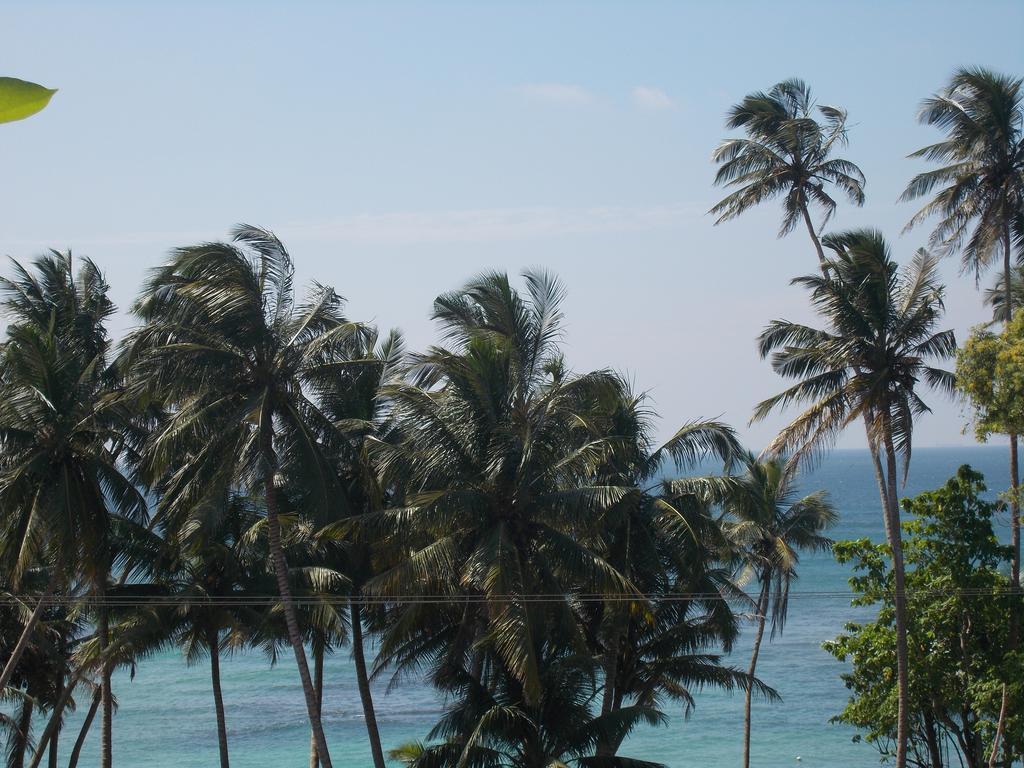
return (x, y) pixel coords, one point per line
(318, 684)
(888, 490)
(106, 695)
(1014, 478)
(213, 641)
(56, 717)
(26, 634)
(90, 716)
(1015, 617)
(53, 736)
(288, 602)
(762, 617)
(611, 669)
(814, 239)
(364, 686)
(20, 745)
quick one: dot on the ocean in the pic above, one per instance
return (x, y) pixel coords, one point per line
(165, 716)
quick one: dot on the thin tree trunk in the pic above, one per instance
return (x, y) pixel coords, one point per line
(762, 617)
(611, 670)
(21, 737)
(56, 717)
(364, 686)
(1014, 477)
(54, 735)
(288, 602)
(934, 751)
(90, 716)
(814, 239)
(26, 634)
(318, 685)
(106, 695)
(1015, 599)
(213, 640)
(900, 598)
(1000, 726)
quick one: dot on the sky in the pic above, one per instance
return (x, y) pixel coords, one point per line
(399, 149)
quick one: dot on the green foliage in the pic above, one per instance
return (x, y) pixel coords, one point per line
(20, 99)
(990, 373)
(958, 651)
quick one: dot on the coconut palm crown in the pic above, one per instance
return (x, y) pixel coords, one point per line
(786, 152)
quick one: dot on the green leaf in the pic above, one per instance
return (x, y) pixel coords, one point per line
(20, 99)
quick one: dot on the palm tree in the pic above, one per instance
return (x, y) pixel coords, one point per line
(786, 152)
(207, 567)
(659, 648)
(491, 726)
(228, 350)
(669, 646)
(980, 202)
(60, 434)
(354, 397)
(995, 296)
(37, 682)
(499, 505)
(770, 526)
(866, 364)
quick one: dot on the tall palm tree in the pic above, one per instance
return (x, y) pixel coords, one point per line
(770, 526)
(980, 204)
(865, 365)
(980, 198)
(787, 152)
(500, 503)
(60, 434)
(354, 397)
(228, 350)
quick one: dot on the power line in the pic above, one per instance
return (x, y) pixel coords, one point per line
(252, 600)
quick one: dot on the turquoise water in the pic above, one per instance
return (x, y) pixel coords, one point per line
(165, 716)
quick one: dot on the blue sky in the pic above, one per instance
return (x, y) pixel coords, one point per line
(400, 148)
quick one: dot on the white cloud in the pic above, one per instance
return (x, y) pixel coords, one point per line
(556, 93)
(489, 224)
(655, 99)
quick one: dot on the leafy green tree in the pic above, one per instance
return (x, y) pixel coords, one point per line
(228, 350)
(990, 373)
(770, 526)
(787, 152)
(865, 365)
(959, 655)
